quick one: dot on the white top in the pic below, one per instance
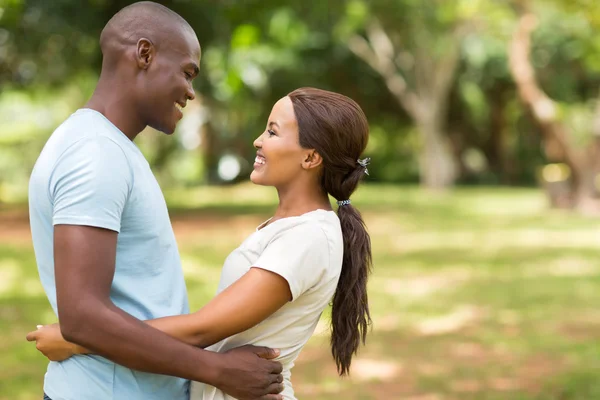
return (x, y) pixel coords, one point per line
(307, 251)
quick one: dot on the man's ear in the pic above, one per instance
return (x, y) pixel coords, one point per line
(145, 53)
(312, 159)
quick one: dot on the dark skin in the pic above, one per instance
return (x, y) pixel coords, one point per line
(150, 84)
(85, 266)
(295, 172)
(138, 87)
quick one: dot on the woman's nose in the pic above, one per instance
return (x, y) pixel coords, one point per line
(258, 142)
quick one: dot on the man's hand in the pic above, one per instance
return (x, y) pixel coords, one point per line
(248, 374)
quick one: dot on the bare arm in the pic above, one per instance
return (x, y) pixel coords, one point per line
(229, 312)
(84, 268)
(226, 315)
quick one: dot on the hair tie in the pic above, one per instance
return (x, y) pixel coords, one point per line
(363, 163)
(343, 203)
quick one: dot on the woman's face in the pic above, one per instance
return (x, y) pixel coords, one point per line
(279, 156)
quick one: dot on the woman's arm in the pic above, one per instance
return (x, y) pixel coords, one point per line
(248, 301)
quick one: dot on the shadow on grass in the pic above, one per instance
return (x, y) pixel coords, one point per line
(533, 303)
(507, 259)
(402, 365)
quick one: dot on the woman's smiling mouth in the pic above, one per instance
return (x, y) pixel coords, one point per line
(259, 161)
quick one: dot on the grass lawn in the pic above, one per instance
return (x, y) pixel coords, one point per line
(478, 294)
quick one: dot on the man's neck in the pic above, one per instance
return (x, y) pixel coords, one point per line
(111, 100)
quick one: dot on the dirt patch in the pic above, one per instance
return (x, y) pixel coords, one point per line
(192, 227)
(409, 366)
(580, 331)
(365, 369)
(457, 320)
(15, 227)
(187, 226)
(426, 285)
(537, 371)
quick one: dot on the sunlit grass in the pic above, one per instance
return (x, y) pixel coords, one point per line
(476, 294)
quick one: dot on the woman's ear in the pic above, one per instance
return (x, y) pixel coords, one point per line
(312, 159)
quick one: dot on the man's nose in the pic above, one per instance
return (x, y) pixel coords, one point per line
(191, 95)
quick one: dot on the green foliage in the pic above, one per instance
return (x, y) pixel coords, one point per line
(254, 52)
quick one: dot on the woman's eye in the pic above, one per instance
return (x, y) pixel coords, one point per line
(271, 132)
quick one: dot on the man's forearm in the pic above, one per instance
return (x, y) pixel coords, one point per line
(118, 336)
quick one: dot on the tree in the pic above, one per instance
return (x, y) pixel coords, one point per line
(561, 144)
(415, 47)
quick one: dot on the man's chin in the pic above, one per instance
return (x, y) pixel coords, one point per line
(166, 129)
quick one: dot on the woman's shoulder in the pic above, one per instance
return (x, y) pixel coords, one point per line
(318, 230)
(314, 224)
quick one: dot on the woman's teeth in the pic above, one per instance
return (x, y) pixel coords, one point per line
(259, 160)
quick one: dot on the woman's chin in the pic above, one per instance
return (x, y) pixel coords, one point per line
(256, 178)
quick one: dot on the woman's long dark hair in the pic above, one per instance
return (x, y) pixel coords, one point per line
(336, 127)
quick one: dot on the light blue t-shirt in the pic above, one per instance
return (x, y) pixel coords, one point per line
(90, 173)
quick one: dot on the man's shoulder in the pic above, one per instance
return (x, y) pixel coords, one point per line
(88, 126)
(77, 139)
(81, 120)
(87, 135)
(85, 153)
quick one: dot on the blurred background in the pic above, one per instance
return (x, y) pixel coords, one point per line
(482, 198)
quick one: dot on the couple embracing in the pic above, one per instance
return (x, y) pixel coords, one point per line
(108, 259)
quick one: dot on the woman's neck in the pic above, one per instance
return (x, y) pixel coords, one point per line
(295, 201)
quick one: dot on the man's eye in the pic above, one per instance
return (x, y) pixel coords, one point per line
(271, 132)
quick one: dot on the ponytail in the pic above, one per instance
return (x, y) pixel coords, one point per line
(350, 317)
(336, 127)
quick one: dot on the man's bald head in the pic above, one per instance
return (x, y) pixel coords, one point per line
(144, 19)
(151, 56)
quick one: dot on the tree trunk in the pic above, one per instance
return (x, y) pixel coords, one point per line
(438, 165)
(585, 188)
(496, 147)
(582, 193)
(425, 102)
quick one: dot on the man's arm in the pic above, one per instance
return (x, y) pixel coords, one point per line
(225, 315)
(244, 304)
(84, 268)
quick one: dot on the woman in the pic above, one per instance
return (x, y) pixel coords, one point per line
(275, 286)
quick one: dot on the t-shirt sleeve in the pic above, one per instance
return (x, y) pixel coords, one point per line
(90, 184)
(299, 254)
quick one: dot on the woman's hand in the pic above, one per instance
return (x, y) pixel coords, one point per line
(50, 342)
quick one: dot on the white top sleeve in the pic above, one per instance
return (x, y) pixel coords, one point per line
(90, 184)
(299, 254)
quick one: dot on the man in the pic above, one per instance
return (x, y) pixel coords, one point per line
(104, 245)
